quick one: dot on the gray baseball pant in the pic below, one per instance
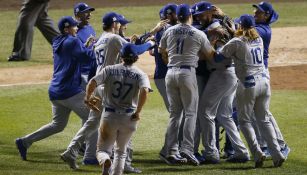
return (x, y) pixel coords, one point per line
(115, 128)
(60, 110)
(33, 13)
(216, 101)
(182, 93)
(257, 99)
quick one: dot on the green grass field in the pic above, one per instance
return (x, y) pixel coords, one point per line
(144, 18)
(26, 108)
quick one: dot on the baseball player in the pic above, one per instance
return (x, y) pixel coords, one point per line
(125, 92)
(217, 97)
(264, 16)
(65, 92)
(82, 13)
(181, 44)
(253, 93)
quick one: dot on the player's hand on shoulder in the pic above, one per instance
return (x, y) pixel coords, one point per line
(159, 26)
(93, 103)
(135, 117)
(90, 40)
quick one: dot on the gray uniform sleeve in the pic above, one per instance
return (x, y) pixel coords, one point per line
(101, 77)
(205, 43)
(117, 42)
(229, 48)
(144, 81)
(163, 42)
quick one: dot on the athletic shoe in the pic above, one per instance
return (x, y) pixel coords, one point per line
(200, 158)
(237, 159)
(227, 154)
(285, 151)
(129, 169)
(69, 160)
(173, 159)
(279, 162)
(90, 162)
(105, 167)
(190, 158)
(15, 58)
(266, 152)
(21, 148)
(259, 161)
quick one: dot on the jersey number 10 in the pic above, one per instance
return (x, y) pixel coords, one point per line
(257, 56)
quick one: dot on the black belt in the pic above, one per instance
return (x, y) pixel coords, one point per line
(107, 109)
(226, 67)
(181, 67)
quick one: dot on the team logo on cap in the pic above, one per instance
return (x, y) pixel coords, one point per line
(114, 19)
(77, 10)
(66, 24)
(169, 11)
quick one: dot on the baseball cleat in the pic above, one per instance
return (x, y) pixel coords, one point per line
(259, 162)
(285, 151)
(15, 58)
(200, 158)
(129, 169)
(106, 166)
(173, 159)
(70, 161)
(190, 158)
(266, 151)
(279, 162)
(90, 162)
(21, 148)
(237, 159)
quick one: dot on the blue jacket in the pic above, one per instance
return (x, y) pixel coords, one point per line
(161, 67)
(265, 32)
(83, 34)
(68, 54)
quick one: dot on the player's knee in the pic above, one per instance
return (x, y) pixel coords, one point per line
(58, 127)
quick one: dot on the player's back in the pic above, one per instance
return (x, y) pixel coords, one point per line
(107, 49)
(122, 86)
(248, 57)
(183, 43)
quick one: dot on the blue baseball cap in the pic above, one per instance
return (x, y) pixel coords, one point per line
(65, 22)
(247, 21)
(193, 8)
(169, 9)
(161, 14)
(122, 20)
(264, 7)
(129, 51)
(202, 7)
(183, 10)
(82, 7)
(109, 18)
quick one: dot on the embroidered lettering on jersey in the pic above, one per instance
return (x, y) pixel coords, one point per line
(182, 31)
(125, 73)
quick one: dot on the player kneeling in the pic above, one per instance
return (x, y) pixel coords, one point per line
(125, 92)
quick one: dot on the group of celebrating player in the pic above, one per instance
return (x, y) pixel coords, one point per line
(210, 70)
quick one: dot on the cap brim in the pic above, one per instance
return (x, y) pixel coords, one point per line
(88, 9)
(124, 22)
(199, 12)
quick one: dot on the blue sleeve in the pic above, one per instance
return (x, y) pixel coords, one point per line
(142, 48)
(81, 52)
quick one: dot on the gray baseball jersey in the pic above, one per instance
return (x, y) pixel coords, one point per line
(183, 43)
(253, 94)
(122, 84)
(107, 49)
(247, 63)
